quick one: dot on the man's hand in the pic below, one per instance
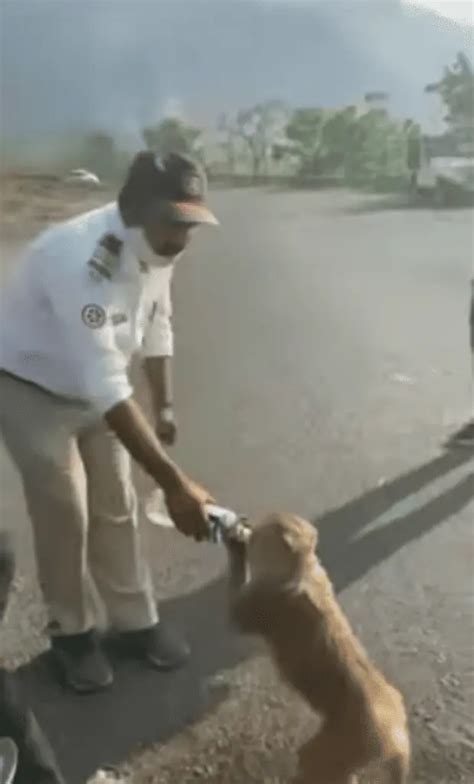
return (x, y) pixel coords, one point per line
(184, 498)
(166, 426)
(186, 506)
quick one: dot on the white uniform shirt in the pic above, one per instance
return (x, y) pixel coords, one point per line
(73, 332)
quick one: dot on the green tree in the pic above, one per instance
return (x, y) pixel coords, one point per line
(321, 139)
(305, 131)
(413, 145)
(227, 129)
(172, 135)
(378, 150)
(456, 89)
(337, 138)
(260, 127)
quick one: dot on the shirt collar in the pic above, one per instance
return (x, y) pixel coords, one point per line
(116, 226)
(115, 223)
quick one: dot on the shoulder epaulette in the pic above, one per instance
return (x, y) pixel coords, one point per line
(105, 259)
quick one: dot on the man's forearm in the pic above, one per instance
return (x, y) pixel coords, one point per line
(159, 372)
(130, 425)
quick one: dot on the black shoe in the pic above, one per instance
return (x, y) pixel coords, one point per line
(83, 665)
(463, 437)
(156, 646)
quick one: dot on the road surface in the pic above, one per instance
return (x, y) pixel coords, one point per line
(322, 356)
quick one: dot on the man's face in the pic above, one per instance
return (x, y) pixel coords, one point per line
(165, 238)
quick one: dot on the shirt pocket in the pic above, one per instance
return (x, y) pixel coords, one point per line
(124, 330)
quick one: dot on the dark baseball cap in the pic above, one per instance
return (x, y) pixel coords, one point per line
(175, 185)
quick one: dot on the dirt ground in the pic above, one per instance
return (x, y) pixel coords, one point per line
(412, 607)
(29, 202)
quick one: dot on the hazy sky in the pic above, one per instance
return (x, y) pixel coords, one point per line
(459, 10)
(67, 65)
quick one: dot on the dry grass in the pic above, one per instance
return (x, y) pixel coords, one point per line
(28, 203)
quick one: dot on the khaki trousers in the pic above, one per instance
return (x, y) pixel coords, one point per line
(78, 487)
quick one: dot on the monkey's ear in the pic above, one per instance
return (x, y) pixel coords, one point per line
(310, 541)
(291, 540)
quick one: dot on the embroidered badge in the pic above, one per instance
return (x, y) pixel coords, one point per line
(93, 316)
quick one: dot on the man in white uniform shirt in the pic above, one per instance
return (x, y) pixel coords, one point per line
(91, 292)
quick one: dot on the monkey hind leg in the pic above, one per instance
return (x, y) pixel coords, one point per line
(397, 768)
(328, 759)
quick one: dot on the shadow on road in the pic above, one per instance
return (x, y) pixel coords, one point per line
(348, 558)
(145, 707)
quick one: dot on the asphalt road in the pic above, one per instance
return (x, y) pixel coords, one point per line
(322, 356)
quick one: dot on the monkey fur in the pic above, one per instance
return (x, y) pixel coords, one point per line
(279, 590)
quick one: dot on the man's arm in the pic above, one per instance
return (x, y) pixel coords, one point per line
(159, 372)
(185, 499)
(158, 348)
(127, 420)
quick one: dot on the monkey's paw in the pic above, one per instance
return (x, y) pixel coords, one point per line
(239, 533)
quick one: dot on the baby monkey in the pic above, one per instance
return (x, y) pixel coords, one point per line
(280, 591)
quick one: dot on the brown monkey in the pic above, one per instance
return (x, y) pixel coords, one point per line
(280, 591)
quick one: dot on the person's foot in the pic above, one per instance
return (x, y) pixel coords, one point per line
(463, 437)
(82, 664)
(157, 645)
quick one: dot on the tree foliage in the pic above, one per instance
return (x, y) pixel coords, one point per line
(361, 147)
(378, 148)
(172, 135)
(260, 126)
(305, 131)
(456, 89)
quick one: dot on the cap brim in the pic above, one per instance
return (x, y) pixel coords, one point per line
(187, 212)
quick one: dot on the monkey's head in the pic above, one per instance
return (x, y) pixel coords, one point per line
(281, 547)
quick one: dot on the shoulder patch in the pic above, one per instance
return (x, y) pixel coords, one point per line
(105, 259)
